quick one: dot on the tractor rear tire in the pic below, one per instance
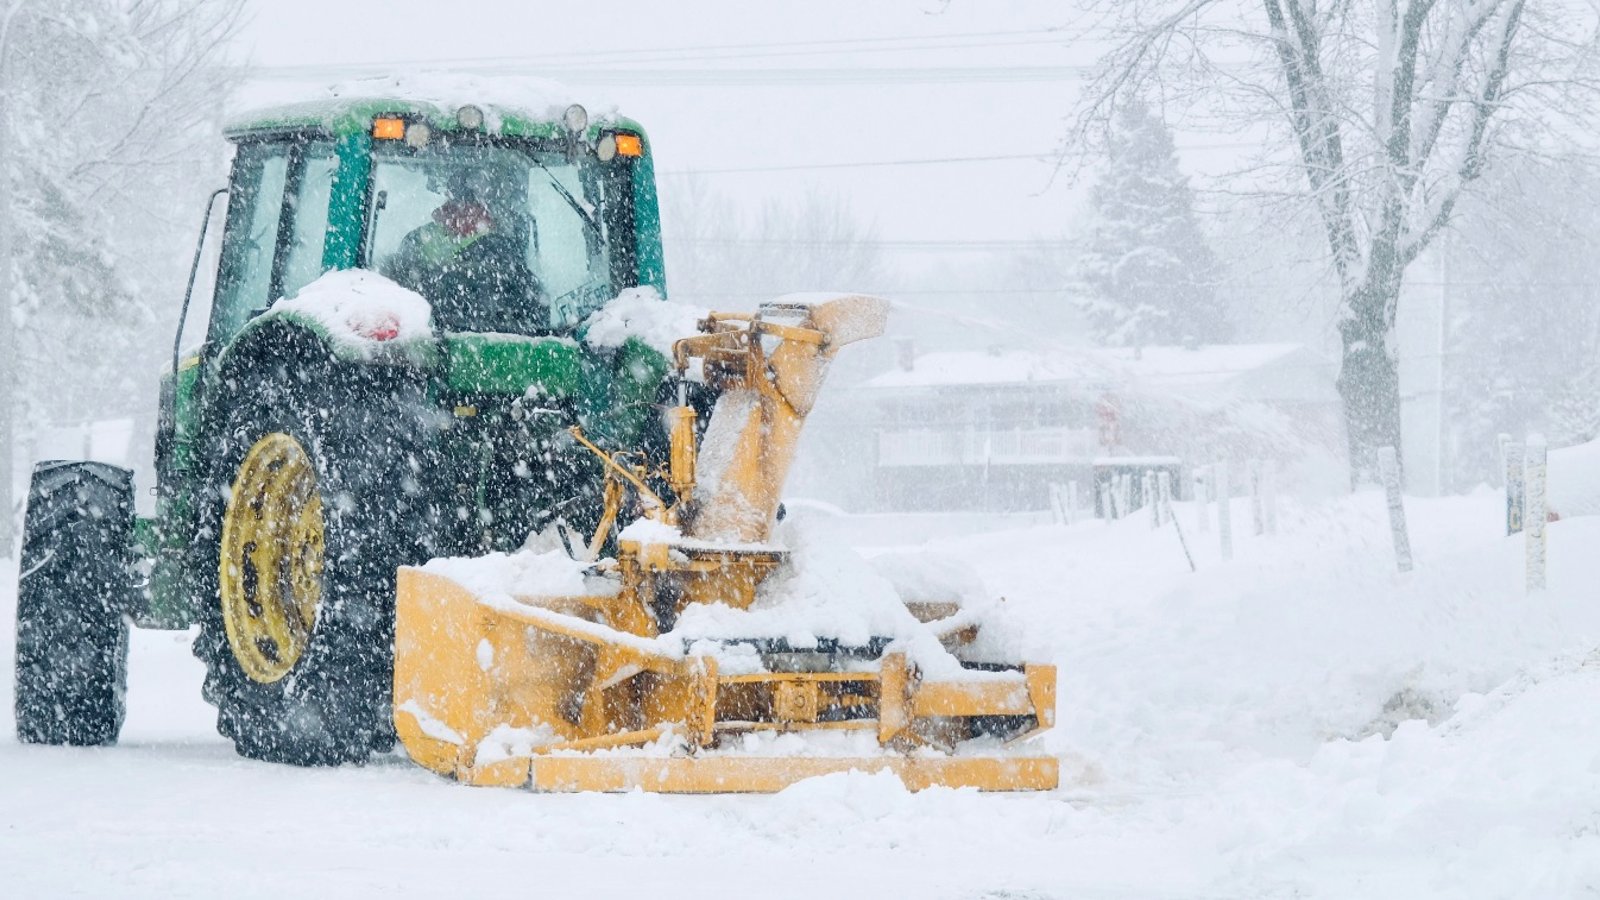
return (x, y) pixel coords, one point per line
(361, 430)
(76, 588)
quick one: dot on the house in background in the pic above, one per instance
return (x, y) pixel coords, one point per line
(992, 430)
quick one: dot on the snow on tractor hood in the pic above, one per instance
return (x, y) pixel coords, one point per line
(360, 310)
(435, 94)
(531, 96)
(643, 314)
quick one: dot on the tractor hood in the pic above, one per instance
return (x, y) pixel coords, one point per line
(511, 364)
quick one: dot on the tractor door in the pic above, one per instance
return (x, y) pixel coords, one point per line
(277, 229)
(275, 237)
(272, 245)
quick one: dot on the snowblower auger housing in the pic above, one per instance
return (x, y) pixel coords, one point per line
(594, 691)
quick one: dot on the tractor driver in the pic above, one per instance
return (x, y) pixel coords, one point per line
(469, 261)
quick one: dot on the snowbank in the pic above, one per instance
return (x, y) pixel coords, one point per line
(1572, 480)
(362, 310)
(923, 577)
(1298, 721)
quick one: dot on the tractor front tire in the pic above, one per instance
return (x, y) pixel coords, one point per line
(314, 503)
(76, 588)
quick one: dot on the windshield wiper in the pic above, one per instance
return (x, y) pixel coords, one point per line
(566, 195)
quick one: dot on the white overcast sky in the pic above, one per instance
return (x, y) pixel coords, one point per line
(707, 110)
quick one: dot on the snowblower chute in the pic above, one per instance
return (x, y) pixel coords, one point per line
(595, 686)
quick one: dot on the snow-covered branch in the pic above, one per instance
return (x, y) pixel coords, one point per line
(1468, 158)
(1388, 112)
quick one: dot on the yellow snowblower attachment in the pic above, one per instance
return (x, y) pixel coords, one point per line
(593, 689)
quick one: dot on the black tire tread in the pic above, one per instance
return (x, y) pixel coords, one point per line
(76, 590)
(362, 428)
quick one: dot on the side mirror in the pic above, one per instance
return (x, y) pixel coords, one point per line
(380, 202)
(194, 270)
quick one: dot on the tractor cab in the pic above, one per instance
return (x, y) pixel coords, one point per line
(513, 224)
(504, 221)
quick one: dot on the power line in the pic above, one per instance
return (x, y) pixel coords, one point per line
(820, 76)
(904, 291)
(709, 51)
(1046, 157)
(910, 48)
(1036, 157)
(674, 57)
(826, 42)
(943, 245)
(731, 77)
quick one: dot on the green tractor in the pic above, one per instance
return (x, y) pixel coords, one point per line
(332, 427)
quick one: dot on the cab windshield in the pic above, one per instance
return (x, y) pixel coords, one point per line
(503, 237)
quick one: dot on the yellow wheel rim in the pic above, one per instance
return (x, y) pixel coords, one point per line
(271, 560)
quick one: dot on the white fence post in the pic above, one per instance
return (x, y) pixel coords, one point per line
(1269, 494)
(1224, 507)
(1072, 501)
(1514, 487)
(1389, 470)
(1202, 498)
(1533, 523)
(1107, 510)
(1166, 503)
(1164, 493)
(1147, 490)
(1258, 512)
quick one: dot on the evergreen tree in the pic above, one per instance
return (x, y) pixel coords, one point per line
(1147, 273)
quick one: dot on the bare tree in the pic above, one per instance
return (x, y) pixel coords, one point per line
(1378, 113)
(104, 111)
(718, 255)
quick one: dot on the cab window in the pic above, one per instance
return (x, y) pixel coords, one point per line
(507, 236)
(277, 228)
(255, 209)
(308, 208)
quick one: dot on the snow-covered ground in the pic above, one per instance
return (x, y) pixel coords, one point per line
(1300, 721)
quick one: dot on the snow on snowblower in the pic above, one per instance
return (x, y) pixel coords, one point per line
(681, 664)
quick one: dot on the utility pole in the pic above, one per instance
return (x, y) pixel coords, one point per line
(8, 303)
(1439, 480)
